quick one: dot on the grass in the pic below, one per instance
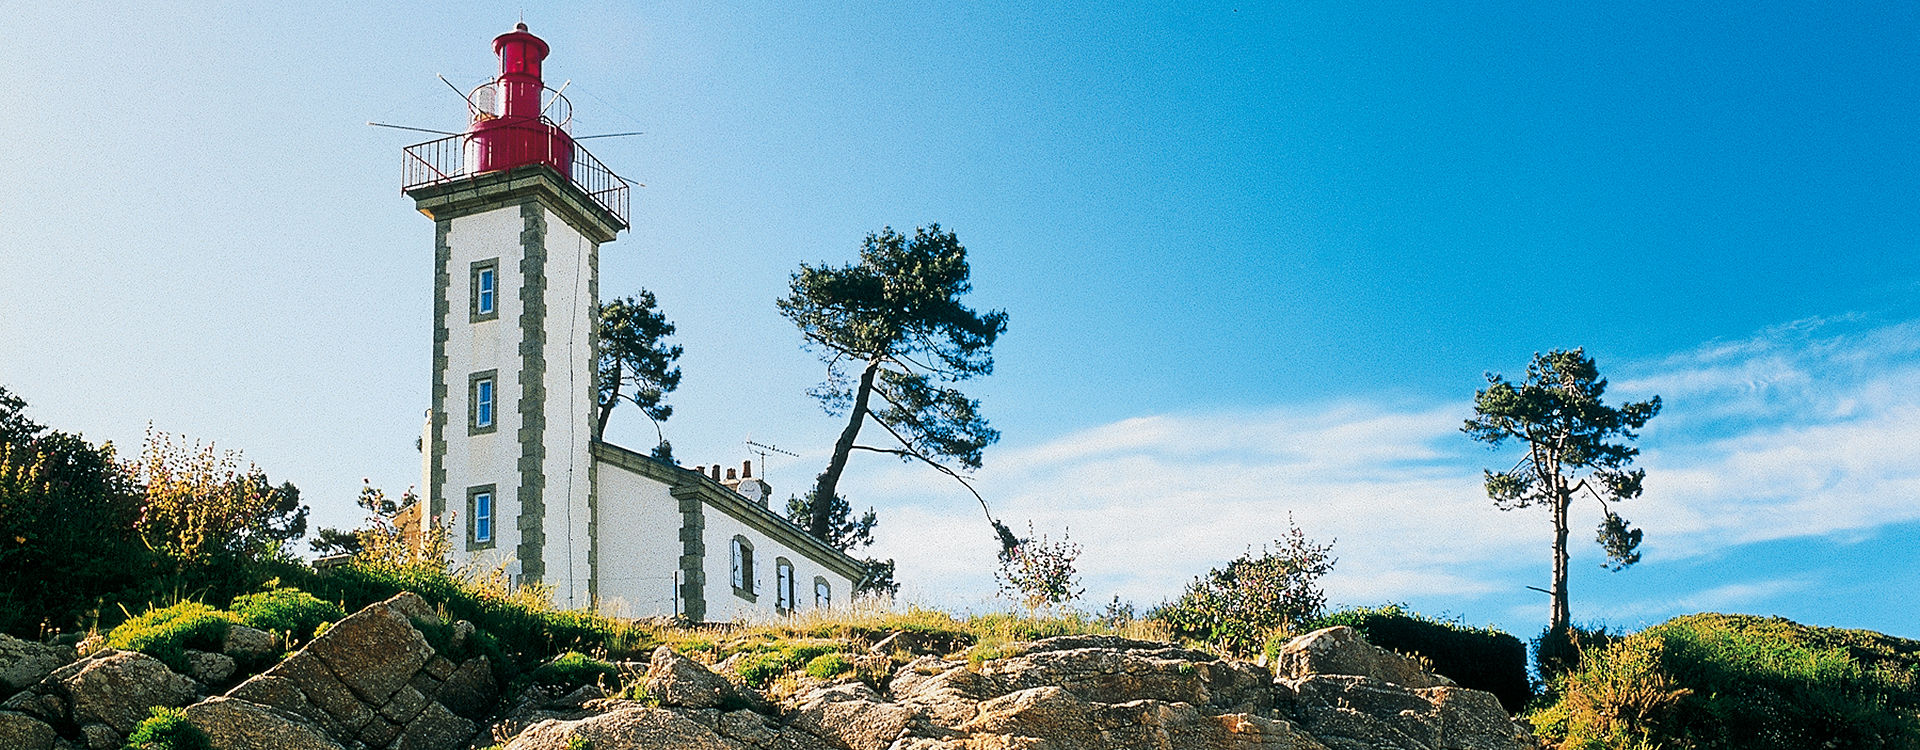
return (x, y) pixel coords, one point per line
(167, 632)
(1709, 681)
(573, 669)
(1478, 658)
(167, 729)
(290, 612)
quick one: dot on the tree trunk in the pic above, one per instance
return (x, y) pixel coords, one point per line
(606, 407)
(1561, 616)
(830, 479)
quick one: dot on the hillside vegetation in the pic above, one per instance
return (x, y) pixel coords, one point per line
(1713, 681)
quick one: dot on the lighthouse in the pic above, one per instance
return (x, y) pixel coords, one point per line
(519, 213)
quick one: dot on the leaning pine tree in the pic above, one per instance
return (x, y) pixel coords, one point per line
(1576, 446)
(894, 335)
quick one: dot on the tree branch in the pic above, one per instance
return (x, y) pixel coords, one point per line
(937, 465)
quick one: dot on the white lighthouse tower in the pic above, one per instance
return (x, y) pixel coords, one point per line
(519, 214)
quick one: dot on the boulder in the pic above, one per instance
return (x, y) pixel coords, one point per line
(1063, 720)
(676, 680)
(750, 729)
(105, 695)
(23, 663)
(852, 716)
(1341, 650)
(19, 731)
(250, 645)
(234, 724)
(1106, 669)
(377, 650)
(627, 728)
(372, 680)
(1351, 712)
(469, 690)
(209, 668)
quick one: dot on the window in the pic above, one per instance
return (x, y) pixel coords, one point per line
(743, 568)
(782, 586)
(822, 593)
(483, 517)
(481, 512)
(483, 398)
(485, 295)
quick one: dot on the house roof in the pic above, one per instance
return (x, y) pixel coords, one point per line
(683, 482)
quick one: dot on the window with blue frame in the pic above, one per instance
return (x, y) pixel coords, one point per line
(481, 512)
(485, 294)
(483, 401)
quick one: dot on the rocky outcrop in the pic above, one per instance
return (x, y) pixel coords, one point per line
(1336, 692)
(98, 700)
(1352, 695)
(23, 732)
(372, 680)
(23, 663)
(375, 681)
(234, 723)
(1341, 650)
(675, 680)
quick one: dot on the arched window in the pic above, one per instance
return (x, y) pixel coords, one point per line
(743, 568)
(822, 593)
(782, 586)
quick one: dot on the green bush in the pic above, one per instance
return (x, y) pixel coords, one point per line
(166, 633)
(1478, 658)
(829, 666)
(526, 633)
(573, 669)
(67, 516)
(762, 667)
(167, 729)
(1238, 607)
(289, 611)
(1713, 682)
(1557, 652)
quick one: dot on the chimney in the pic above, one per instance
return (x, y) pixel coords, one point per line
(716, 472)
(730, 475)
(746, 469)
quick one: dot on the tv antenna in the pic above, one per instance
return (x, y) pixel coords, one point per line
(762, 450)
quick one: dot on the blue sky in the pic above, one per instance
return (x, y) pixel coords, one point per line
(1255, 258)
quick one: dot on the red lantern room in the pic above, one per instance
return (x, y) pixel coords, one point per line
(516, 122)
(514, 128)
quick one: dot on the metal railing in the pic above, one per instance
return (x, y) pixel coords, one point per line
(456, 157)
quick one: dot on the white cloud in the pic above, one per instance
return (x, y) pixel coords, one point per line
(1806, 429)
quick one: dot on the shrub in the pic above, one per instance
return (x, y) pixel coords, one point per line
(1040, 574)
(166, 633)
(521, 621)
(1478, 658)
(1237, 607)
(1557, 652)
(573, 669)
(67, 516)
(762, 667)
(167, 729)
(289, 611)
(829, 666)
(1711, 681)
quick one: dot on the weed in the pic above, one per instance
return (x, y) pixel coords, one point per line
(829, 666)
(167, 633)
(167, 729)
(293, 613)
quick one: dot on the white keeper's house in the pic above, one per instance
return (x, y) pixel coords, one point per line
(510, 465)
